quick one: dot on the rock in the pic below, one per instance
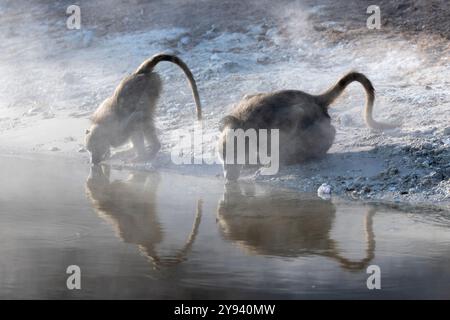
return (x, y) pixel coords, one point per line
(406, 148)
(212, 32)
(426, 163)
(354, 194)
(185, 40)
(324, 191)
(263, 60)
(259, 30)
(393, 171)
(447, 131)
(33, 111)
(427, 146)
(349, 187)
(319, 28)
(261, 38)
(54, 149)
(435, 175)
(446, 142)
(208, 74)
(231, 66)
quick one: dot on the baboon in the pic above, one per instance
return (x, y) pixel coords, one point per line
(129, 113)
(305, 130)
(290, 227)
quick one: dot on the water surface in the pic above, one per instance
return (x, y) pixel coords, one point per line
(151, 235)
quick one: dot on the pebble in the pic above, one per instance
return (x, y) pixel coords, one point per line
(446, 142)
(185, 40)
(33, 111)
(263, 60)
(447, 131)
(231, 66)
(324, 191)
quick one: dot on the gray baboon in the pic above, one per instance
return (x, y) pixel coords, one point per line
(129, 113)
(305, 130)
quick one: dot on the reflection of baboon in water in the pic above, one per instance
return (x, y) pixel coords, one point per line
(130, 206)
(289, 227)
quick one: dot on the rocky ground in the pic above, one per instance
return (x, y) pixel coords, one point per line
(53, 78)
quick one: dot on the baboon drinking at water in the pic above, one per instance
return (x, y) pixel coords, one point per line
(129, 113)
(305, 130)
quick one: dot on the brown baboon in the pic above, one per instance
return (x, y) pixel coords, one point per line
(129, 113)
(305, 130)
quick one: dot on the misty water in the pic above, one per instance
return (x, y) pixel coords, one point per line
(166, 235)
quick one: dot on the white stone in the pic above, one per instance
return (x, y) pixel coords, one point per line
(324, 191)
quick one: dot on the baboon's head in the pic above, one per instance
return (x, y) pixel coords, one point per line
(97, 144)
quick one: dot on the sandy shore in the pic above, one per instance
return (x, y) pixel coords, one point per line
(54, 78)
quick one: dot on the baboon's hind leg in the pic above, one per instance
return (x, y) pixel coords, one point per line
(152, 140)
(137, 139)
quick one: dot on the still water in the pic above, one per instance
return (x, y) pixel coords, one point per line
(151, 235)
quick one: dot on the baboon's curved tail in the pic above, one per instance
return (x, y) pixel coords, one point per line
(331, 94)
(149, 64)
